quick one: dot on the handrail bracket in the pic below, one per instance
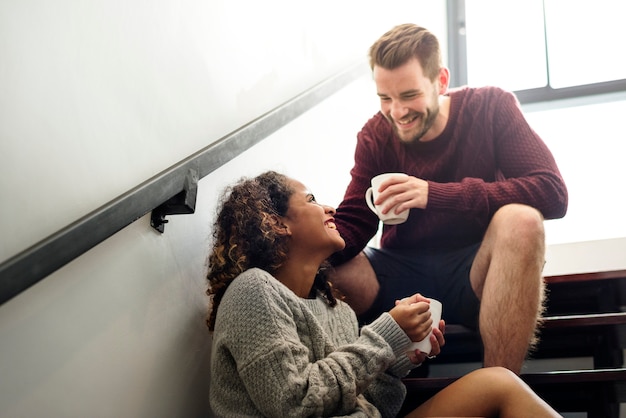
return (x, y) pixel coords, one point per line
(183, 203)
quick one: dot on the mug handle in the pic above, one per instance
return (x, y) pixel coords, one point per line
(368, 200)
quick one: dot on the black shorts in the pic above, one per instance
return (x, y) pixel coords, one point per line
(439, 275)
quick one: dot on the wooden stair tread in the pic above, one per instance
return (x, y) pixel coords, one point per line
(575, 320)
(584, 318)
(597, 392)
(583, 277)
(609, 318)
(550, 377)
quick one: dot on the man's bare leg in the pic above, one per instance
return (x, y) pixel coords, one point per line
(356, 279)
(506, 276)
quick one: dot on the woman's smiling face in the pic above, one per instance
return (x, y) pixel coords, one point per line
(311, 224)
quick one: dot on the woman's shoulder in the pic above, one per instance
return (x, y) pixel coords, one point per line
(256, 286)
(251, 298)
(252, 276)
(251, 282)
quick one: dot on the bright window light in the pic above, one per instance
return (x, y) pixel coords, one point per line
(506, 42)
(585, 41)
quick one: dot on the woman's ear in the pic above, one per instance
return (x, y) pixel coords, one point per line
(280, 227)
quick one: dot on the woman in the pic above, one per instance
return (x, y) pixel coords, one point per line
(284, 345)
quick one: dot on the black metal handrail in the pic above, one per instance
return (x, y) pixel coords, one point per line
(27, 268)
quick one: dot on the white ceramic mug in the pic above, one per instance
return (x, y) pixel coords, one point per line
(389, 218)
(424, 345)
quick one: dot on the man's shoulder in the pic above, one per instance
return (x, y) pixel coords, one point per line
(377, 129)
(466, 93)
(377, 121)
(470, 102)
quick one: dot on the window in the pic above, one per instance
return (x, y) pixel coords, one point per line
(541, 49)
(585, 41)
(506, 52)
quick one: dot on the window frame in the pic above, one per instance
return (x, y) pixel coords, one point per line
(457, 62)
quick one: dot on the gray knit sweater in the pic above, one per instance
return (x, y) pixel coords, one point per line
(277, 355)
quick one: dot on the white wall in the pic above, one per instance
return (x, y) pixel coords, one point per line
(95, 98)
(588, 141)
(98, 96)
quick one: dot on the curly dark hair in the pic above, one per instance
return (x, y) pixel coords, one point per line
(246, 234)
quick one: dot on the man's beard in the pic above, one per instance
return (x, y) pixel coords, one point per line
(427, 121)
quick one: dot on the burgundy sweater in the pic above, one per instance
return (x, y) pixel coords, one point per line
(486, 157)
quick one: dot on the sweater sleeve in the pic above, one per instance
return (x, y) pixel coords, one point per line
(487, 157)
(355, 221)
(264, 334)
(526, 172)
(387, 391)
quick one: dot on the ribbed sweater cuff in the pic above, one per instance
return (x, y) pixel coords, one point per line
(388, 328)
(443, 196)
(402, 366)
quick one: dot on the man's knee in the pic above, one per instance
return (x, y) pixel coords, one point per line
(518, 213)
(519, 222)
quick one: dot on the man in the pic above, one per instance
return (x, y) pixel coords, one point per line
(480, 183)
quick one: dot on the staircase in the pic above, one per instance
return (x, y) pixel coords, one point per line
(585, 318)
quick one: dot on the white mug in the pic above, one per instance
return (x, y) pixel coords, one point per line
(389, 218)
(424, 345)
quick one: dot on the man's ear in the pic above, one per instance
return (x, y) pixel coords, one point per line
(444, 80)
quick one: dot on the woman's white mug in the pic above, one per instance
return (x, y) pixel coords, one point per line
(389, 218)
(425, 346)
